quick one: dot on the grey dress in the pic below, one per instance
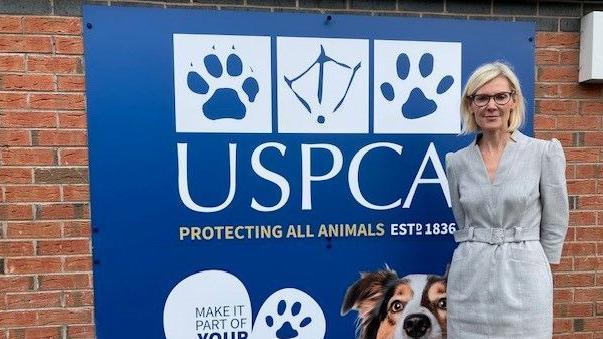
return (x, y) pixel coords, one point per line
(500, 283)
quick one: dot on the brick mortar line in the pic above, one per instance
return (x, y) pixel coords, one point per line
(572, 302)
(52, 147)
(83, 183)
(73, 202)
(78, 202)
(36, 166)
(51, 184)
(64, 333)
(44, 292)
(49, 55)
(43, 239)
(550, 32)
(36, 110)
(43, 35)
(39, 55)
(64, 148)
(34, 128)
(9, 239)
(559, 273)
(57, 326)
(567, 99)
(43, 309)
(43, 167)
(552, 49)
(62, 110)
(40, 309)
(563, 83)
(45, 184)
(41, 92)
(37, 73)
(47, 220)
(39, 165)
(560, 98)
(62, 238)
(29, 129)
(50, 274)
(559, 65)
(47, 256)
(588, 288)
(47, 203)
(589, 195)
(40, 16)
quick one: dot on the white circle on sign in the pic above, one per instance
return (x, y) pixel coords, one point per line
(207, 302)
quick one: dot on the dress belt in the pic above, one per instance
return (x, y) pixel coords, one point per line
(493, 235)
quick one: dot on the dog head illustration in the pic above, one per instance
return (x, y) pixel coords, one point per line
(390, 307)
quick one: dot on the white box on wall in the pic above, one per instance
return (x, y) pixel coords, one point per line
(591, 48)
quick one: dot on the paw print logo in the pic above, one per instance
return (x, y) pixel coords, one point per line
(417, 105)
(286, 329)
(222, 83)
(224, 102)
(417, 87)
(289, 313)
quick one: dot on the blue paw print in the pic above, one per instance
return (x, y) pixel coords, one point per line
(417, 105)
(225, 101)
(286, 330)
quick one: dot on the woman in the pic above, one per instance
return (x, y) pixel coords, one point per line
(509, 199)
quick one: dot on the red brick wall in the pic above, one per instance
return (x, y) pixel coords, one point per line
(45, 249)
(573, 113)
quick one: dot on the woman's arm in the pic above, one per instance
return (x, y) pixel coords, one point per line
(453, 186)
(554, 200)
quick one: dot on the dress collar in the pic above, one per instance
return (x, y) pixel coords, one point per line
(516, 136)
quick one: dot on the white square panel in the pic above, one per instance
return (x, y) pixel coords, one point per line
(417, 87)
(322, 85)
(222, 83)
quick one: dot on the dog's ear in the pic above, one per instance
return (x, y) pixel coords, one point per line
(367, 291)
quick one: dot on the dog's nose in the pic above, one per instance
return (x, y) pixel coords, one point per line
(416, 325)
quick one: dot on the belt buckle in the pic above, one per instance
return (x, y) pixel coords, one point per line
(497, 236)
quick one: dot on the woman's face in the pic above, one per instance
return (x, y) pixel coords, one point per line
(494, 114)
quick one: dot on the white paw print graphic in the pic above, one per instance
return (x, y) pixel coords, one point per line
(289, 314)
(417, 87)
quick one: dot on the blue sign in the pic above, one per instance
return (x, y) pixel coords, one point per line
(247, 167)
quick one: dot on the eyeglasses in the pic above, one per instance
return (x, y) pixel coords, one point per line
(500, 98)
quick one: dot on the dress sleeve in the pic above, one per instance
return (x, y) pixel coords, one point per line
(453, 187)
(554, 200)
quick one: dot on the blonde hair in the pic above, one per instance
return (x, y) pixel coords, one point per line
(480, 77)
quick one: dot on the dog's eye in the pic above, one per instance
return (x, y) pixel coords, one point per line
(442, 303)
(396, 306)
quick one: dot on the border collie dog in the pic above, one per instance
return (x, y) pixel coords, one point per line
(390, 307)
